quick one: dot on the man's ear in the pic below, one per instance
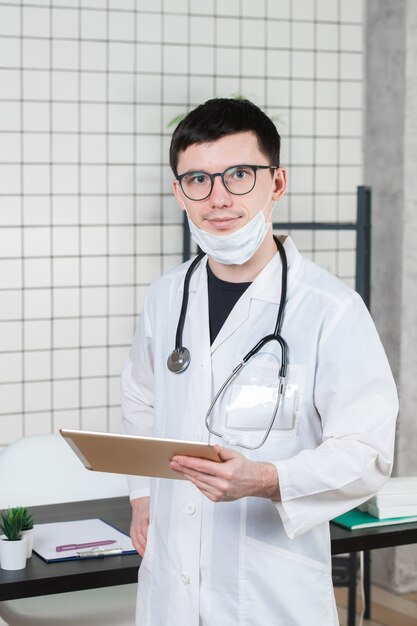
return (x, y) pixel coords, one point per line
(178, 194)
(280, 183)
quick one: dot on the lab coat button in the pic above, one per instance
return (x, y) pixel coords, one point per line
(185, 578)
(190, 508)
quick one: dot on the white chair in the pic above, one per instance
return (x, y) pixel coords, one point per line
(43, 470)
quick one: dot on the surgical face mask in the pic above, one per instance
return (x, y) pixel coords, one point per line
(235, 248)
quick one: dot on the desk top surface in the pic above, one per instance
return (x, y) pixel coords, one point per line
(40, 578)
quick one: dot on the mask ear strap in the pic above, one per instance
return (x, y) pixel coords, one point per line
(268, 199)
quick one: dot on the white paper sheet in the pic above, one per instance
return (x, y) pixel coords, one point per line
(49, 536)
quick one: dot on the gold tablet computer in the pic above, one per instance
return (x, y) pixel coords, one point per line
(128, 454)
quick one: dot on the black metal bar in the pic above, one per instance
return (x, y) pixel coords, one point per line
(315, 225)
(367, 583)
(363, 245)
(352, 589)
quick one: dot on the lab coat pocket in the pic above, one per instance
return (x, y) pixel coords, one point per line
(254, 395)
(273, 579)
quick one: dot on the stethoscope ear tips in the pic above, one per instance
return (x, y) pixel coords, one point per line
(178, 360)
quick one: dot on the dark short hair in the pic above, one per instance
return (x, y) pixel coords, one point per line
(219, 117)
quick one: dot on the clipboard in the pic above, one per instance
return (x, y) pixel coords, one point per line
(130, 454)
(50, 535)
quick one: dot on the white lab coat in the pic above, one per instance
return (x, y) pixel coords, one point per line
(251, 561)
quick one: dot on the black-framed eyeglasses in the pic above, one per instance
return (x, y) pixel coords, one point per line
(238, 180)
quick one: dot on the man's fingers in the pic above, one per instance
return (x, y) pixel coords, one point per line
(139, 543)
(197, 475)
(226, 454)
(140, 548)
(199, 465)
(212, 487)
(139, 537)
(140, 523)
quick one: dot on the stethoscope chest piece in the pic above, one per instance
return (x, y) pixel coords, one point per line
(179, 360)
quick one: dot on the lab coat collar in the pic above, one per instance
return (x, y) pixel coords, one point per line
(267, 285)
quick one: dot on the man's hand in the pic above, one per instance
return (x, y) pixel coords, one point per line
(236, 477)
(139, 524)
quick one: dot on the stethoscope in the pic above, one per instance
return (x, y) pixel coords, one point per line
(180, 357)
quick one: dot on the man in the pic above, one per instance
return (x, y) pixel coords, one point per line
(246, 541)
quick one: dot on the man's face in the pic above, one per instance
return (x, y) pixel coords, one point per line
(222, 212)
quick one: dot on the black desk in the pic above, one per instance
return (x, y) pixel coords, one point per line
(40, 578)
(372, 538)
(352, 542)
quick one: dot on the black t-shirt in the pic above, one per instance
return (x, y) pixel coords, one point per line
(222, 297)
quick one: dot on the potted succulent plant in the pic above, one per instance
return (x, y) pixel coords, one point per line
(27, 528)
(13, 548)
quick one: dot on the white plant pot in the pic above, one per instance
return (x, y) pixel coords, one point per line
(13, 553)
(30, 534)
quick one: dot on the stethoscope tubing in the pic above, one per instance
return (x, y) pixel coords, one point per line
(262, 342)
(186, 293)
(280, 315)
(179, 358)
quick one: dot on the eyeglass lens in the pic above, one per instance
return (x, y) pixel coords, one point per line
(238, 180)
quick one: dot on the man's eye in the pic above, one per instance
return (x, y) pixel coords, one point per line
(196, 178)
(239, 173)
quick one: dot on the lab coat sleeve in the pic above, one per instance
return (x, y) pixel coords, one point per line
(356, 399)
(137, 394)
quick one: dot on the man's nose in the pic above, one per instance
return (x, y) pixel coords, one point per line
(219, 195)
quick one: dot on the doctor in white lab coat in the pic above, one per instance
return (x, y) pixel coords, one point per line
(246, 541)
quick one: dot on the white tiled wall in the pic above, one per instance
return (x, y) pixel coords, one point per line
(87, 88)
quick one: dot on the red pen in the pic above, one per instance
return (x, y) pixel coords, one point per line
(90, 544)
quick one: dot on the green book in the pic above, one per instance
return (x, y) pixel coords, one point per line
(356, 519)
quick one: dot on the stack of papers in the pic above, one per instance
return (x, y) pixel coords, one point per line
(89, 538)
(397, 498)
(395, 503)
